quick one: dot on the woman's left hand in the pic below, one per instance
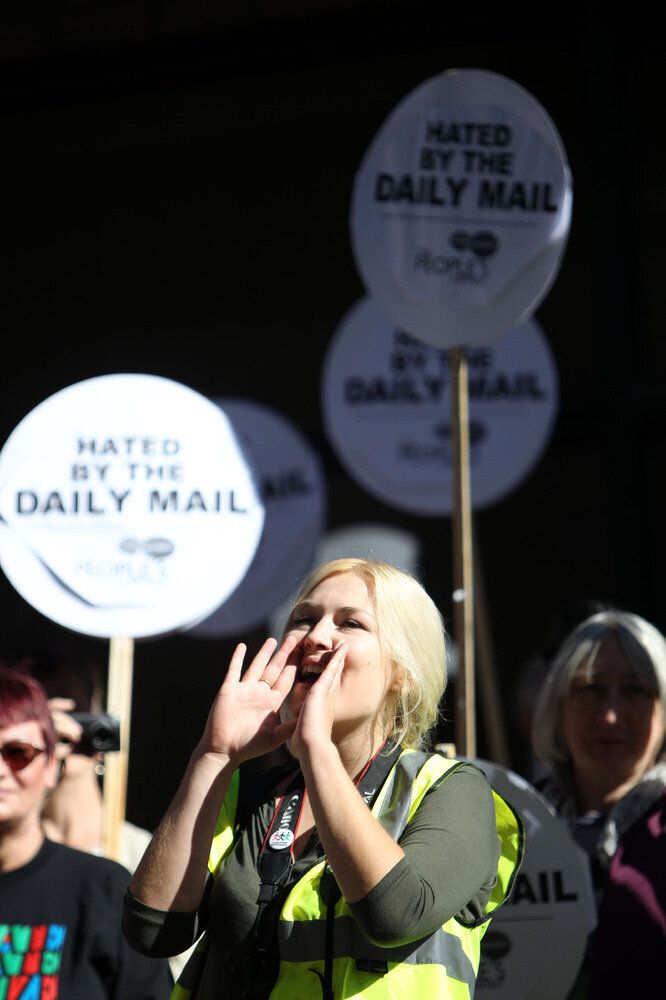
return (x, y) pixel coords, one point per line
(317, 715)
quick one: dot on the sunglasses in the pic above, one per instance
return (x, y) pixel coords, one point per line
(18, 755)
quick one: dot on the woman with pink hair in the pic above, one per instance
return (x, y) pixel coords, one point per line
(60, 933)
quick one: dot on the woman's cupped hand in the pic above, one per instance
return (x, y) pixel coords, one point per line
(317, 715)
(244, 720)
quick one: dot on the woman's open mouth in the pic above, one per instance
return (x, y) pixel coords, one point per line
(308, 672)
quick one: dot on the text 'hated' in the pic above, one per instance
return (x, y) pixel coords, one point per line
(146, 446)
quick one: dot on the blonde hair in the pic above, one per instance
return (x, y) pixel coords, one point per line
(410, 631)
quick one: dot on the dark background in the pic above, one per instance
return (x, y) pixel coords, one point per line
(177, 178)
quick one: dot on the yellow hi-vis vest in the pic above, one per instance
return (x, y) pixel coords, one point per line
(442, 966)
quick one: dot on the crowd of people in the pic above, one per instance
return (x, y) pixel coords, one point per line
(355, 860)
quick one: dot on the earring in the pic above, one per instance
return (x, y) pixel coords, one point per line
(99, 766)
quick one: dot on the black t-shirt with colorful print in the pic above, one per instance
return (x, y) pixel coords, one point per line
(60, 932)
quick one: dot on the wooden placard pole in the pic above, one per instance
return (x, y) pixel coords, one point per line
(491, 702)
(463, 562)
(118, 703)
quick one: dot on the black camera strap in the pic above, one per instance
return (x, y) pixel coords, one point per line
(277, 855)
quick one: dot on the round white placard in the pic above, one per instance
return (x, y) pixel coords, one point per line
(386, 407)
(291, 485)
(535, 944)
(461, 208)
(126, 507)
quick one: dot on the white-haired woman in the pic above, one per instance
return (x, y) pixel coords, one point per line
(600, 726)
(365, 867)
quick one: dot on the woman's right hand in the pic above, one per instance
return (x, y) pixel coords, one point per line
(244, 720)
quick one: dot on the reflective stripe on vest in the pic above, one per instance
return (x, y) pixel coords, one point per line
(300, 941)
(442, 966)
